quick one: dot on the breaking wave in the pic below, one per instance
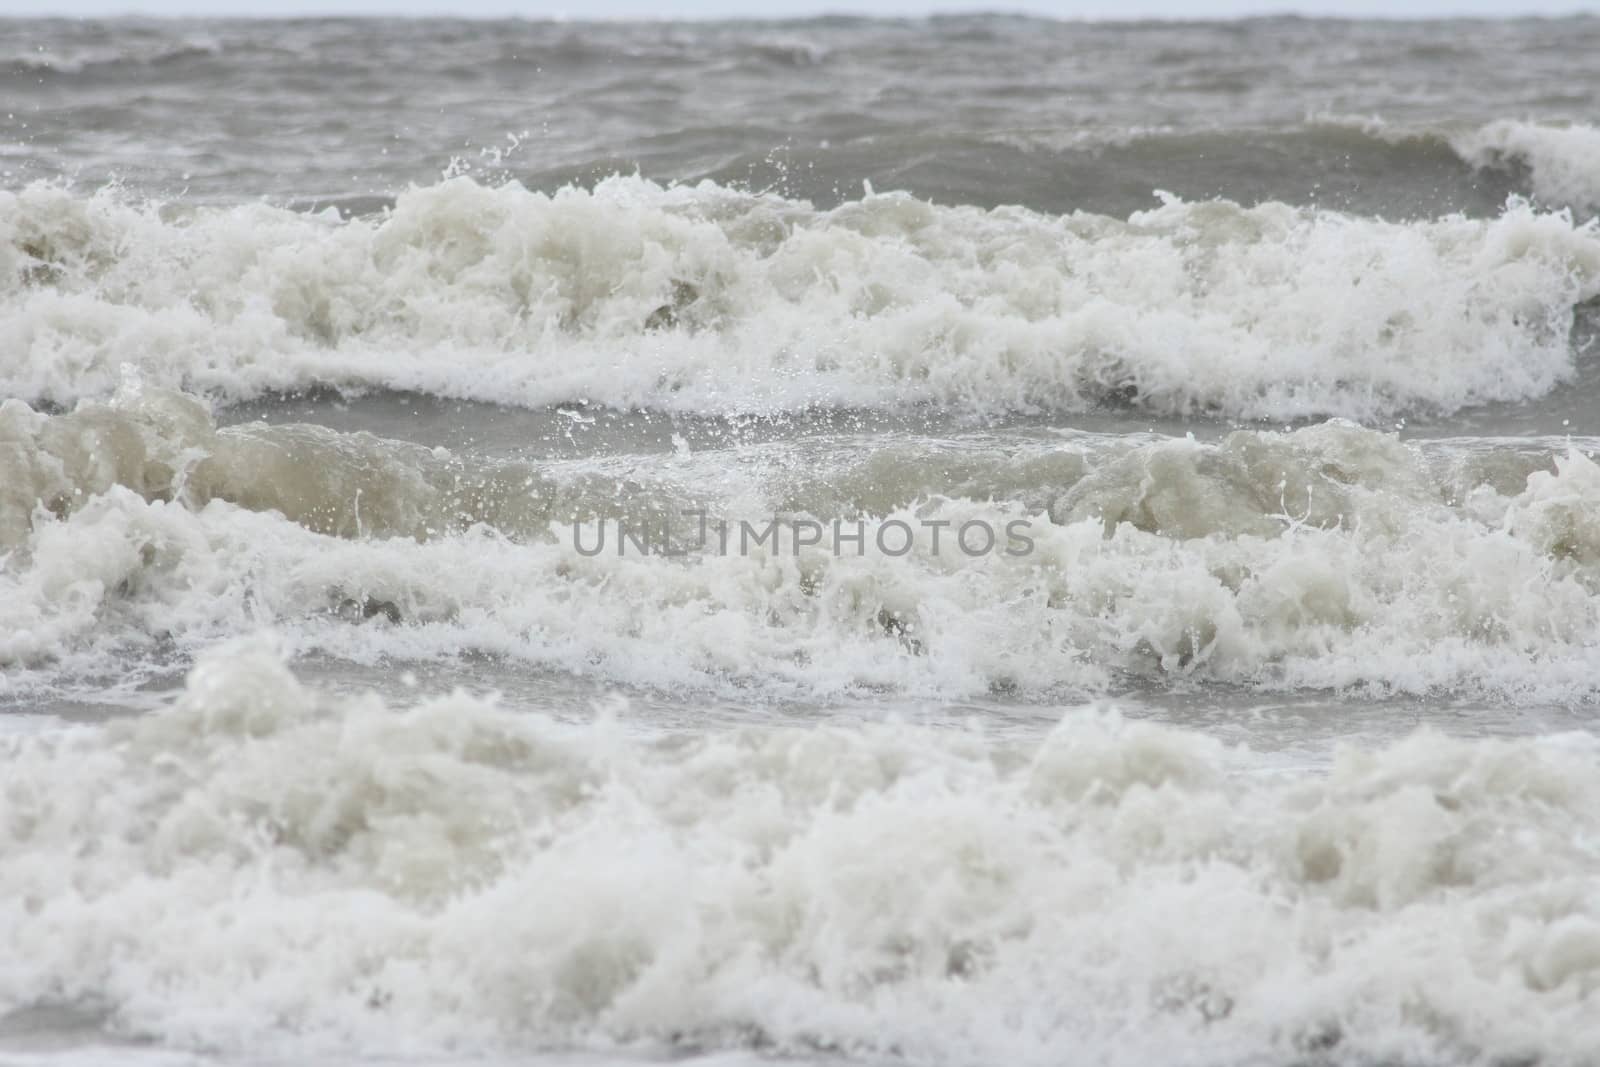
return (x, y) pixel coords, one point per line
(1563, 162)
(1329, 557)
(275, 867)
(709, 300)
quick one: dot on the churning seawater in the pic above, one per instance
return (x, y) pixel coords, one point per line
(331, 350)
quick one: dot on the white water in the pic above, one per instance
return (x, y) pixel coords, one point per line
(710, 300)
(274, 865)
(799, 806)
(1330, 557)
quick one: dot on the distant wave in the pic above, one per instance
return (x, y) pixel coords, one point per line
(1563, 162)
(710, 299)
(132, 51)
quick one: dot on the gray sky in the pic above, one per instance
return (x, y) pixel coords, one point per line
(776, 8)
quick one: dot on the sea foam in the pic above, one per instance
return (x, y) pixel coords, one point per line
(1330, 557)
(265, 869)
(706, 299)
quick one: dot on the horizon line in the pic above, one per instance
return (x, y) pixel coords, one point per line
(315, 13)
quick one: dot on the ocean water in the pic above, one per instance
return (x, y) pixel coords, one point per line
(471, 577)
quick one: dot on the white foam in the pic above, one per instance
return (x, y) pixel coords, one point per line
(1330, 557)
(266, 870)
(706, 299)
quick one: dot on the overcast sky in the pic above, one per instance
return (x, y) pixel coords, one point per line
(776, 8)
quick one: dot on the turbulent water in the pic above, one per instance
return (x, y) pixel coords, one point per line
(471, 577)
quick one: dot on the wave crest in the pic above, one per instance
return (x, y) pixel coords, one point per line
(706, 299)
(1329, 558)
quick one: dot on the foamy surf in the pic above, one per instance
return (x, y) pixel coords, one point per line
(276, 865)
(1332, 557)
(586, 544)
(710, 300)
